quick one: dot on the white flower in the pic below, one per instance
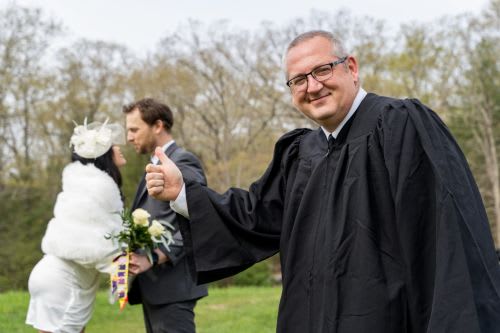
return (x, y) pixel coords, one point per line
(156, 229)
(140, 217)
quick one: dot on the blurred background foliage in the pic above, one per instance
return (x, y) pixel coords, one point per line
(226, 87)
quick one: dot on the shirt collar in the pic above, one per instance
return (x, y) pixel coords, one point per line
(355, 104)
(154, 159)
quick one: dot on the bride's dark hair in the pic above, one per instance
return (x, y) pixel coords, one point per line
(104, 163)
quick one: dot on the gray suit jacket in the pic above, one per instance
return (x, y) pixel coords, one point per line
(171, 281)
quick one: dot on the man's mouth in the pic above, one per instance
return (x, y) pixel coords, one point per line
(317, 98)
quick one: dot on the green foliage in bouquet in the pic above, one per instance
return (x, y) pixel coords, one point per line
(135, 235)
(135, 231)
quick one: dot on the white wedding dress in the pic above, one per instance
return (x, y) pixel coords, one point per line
(62, 295)
(63, 284)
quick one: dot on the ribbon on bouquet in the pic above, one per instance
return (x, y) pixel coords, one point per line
(119, 279)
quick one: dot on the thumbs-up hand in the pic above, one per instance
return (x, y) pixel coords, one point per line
(164, 182)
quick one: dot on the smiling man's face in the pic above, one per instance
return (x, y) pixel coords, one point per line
(327, 102)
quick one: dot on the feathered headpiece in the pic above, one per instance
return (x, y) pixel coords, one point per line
(94, 139)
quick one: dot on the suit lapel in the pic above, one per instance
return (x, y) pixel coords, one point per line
(141, 188)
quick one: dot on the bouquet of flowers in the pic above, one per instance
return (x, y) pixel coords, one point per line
(138, 235)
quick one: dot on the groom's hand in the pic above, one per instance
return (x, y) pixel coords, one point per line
(164, 182)
(138, 264)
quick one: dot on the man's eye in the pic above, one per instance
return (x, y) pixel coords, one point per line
(322, 71)
(299, 81)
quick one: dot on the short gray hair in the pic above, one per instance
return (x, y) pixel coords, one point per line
(338, 48)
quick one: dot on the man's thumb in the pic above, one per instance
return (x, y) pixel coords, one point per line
(161, 155)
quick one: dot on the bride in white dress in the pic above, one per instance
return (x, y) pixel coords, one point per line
(63, 284)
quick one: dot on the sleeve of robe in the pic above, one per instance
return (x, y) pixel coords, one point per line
(452, 274)
(191, 169)
(229, 232)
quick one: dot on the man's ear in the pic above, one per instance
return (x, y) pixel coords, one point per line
(158, 126)
(352, 64)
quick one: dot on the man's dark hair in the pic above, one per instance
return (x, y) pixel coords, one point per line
(151, 111)
(105, 163)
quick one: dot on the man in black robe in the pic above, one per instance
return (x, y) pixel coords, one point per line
(377, 218)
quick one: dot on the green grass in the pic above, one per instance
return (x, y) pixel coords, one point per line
(225, 310)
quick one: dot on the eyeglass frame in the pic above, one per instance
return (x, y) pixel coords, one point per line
(331, 64)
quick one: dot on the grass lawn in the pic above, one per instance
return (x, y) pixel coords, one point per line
(225, 310)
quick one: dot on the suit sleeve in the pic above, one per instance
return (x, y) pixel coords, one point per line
(191, 168)
(452, 273)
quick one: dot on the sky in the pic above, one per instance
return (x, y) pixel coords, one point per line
(140, 24)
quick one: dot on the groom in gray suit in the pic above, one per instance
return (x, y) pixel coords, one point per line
(166, 287)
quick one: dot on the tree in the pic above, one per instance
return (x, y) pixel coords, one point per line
(481, 96)
(25, 36)
(478, 111)
(236, 103)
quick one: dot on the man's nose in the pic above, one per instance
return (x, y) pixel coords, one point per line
(313, 85)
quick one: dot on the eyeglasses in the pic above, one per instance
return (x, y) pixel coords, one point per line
(320, 74)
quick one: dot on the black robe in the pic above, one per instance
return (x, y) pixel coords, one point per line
(385, 233)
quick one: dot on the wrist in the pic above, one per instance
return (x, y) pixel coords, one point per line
(179, 189)
(154, 258)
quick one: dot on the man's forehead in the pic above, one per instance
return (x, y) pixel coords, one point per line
(134, 116)
(133, 122)
(308, 54)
